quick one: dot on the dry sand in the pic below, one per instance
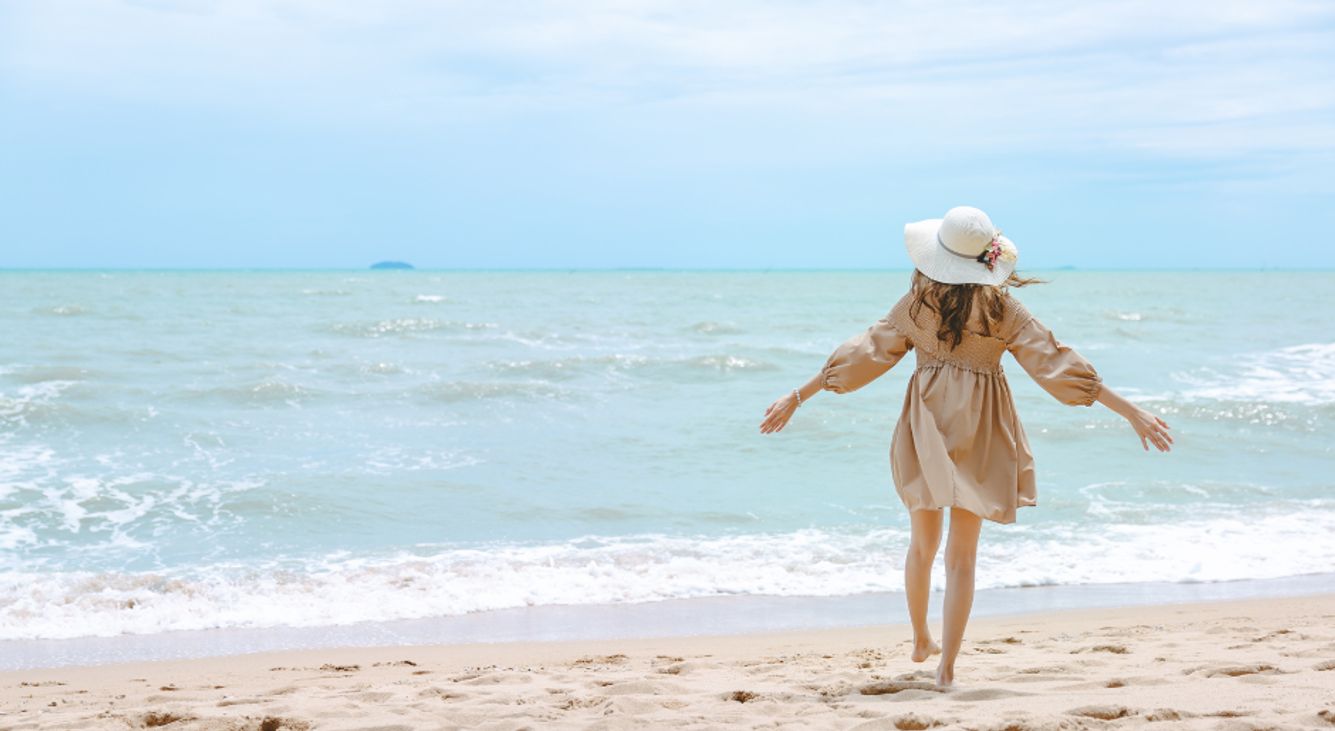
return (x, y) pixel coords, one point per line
(1244, 664)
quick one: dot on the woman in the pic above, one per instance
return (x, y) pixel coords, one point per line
(959, 443)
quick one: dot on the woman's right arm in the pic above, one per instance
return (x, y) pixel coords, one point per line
(1150, 428)
(1073, 380)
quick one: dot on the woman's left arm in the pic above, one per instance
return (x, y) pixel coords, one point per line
(779, 412)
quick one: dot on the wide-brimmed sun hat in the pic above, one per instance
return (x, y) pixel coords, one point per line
(951, 249)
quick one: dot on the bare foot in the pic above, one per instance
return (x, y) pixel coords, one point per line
(945, 677)
(923, 650)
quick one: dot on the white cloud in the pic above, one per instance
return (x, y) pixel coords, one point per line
(1190, 80)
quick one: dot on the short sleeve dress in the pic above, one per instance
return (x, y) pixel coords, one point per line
(959, 441)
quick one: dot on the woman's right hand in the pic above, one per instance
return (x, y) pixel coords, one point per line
(1150, 428)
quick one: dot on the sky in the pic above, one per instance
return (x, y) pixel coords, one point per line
(640, 133)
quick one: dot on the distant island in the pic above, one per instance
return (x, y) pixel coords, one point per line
(391, 265)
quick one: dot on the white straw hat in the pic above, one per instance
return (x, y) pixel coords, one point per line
(948, 249)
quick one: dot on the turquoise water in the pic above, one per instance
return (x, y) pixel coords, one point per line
(350, 446)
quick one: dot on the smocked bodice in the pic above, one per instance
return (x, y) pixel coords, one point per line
(976, 351)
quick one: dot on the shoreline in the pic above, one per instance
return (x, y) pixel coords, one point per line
(672, 618)
(1268, 660)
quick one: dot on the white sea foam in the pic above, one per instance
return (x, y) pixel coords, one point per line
(394, 460)
(439, 581)
(82, 515)
(31, 398)
(1296, 374)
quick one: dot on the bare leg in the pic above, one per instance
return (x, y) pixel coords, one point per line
(961, 554)
(918, 578)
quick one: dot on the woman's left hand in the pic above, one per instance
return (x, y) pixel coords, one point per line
(778, 414)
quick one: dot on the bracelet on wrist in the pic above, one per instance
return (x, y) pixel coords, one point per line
(797, 395)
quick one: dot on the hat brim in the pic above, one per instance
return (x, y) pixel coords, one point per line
(942, 266)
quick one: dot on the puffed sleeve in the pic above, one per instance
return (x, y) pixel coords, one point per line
(865, 357)
(1060, 370)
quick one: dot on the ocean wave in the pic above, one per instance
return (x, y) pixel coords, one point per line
(398, 460)
(40, 373)
(259, 393)
(728, 363)
(380, 368)
(1125, 316)
(1301, 374)
(562, 368)
(431, 581)
(405, 326)
(450, 391)
(429, 299)
(667, 366)
(61, 310)
(33, 402)
(1147, 501)
(709, 327)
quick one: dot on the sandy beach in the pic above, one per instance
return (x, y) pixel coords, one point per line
(1244, 664)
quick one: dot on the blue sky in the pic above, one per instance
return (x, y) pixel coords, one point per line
(334, 133)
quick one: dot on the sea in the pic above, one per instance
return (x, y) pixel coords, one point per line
(204, 462)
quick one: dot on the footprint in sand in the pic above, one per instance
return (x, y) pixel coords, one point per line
(333, 668)
(1234, 671)
(441, 693)
(645, 687)
(286, 689)
(154, 719)
(985, 694)
(891, 687)
(1310, 652)
(676, 668)
(1045, 672)
(492, 678)
(1105, 713)
(915, 722)
(1002, 640)
(227, 702)
(1096, 685)
(577, 702)
(1277, 633)
(600, 660)
(1230, 713)
(833, 690)
(1167, 714)
(1114, 649)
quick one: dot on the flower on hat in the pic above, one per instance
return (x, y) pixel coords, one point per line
(990, 254)
(997, 249)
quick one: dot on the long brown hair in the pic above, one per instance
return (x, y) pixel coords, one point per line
(954, 303)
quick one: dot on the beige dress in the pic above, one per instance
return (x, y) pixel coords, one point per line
(959, 441)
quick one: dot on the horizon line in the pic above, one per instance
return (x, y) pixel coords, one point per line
(1061, 268)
